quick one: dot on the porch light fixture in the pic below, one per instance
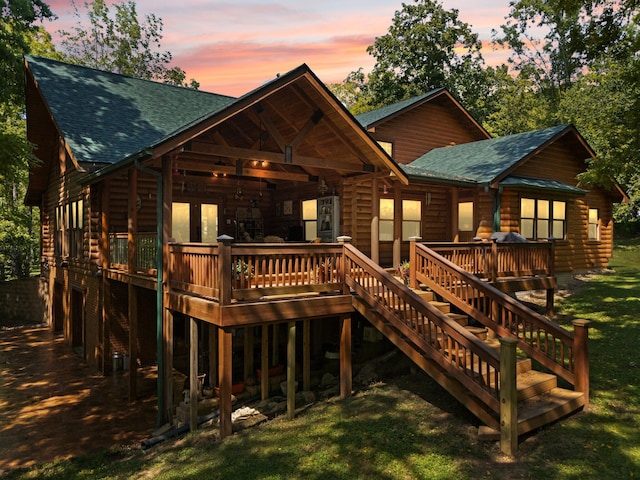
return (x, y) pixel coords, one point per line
(260, 163)
(385, 191)
(238, 195)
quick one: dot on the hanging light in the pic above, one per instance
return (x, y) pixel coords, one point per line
(384, 189)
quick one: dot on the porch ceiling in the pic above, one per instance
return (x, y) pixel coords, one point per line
(291, 130)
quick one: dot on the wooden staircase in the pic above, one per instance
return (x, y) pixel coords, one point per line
(465, 359)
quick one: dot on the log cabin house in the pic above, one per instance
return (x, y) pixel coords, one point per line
(204, 233)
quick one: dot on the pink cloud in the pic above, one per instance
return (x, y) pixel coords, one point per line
(230, 68)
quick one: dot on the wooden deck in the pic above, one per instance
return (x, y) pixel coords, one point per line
(231, 286)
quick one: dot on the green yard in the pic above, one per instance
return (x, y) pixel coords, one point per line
(408, 428)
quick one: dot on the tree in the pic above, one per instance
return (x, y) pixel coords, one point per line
(587, 71)
(120, 43)
(515, 104)
(19, 32)
(427, 47)
(17, 22)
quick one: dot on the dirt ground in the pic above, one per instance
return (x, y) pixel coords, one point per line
(53, 406)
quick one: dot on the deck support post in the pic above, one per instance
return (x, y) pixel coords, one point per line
(306, 355)
(193, 374)
(264, 363)
(225, 345)
(413, 265)
(213, 355)
(275, 341)
(133, 341)
(106, 286)
(508, 396)
(345, 358)
(248, 353)
(291, 371)
(167, 371)
(132, 293)
(581, 351)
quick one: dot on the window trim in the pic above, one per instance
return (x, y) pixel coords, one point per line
(595, 238)
(551, 218)
(386, 220)
(406, 222)
(310, 219)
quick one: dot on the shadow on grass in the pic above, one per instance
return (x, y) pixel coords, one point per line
(377, 434)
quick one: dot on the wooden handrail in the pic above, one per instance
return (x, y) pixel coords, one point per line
(537, 336)
(254, 270)
(450, 345)
(494, 260)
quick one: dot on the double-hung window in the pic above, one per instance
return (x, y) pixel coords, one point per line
(541, 219)
(594, 224)
(69, 227)
(76, 226)
(411, 219)
(310, 219)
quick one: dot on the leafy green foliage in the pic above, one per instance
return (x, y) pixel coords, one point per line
(19, 34)
(426, 47)
(17, 24)
(117, 41)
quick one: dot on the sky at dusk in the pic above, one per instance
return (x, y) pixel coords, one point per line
(234, 46)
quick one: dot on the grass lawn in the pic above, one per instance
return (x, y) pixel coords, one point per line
(407, 427)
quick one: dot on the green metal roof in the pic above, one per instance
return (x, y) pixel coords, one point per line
(542, 184)
(483, 161)
(369, 118)
(106, 117)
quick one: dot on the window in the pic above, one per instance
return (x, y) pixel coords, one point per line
(75, 222)
(69, 226)
(594, 224)
(542, 218)
(465, 217)
(411, 219)
(310, 219)
(386, 220)
(209, 222)
(60, 245)
(181, 222)
(387, 147)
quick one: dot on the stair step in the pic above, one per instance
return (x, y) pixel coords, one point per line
(444, 307)
(426, 295)
(532, 383)
(459, 317)
(480, 332)
(540, 410)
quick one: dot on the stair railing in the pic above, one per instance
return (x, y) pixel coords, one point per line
(541, 339)
(451, 346)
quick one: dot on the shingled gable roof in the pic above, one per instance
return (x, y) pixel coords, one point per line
(105, 117)
(373, 118)
(110, 119)
(486, 161)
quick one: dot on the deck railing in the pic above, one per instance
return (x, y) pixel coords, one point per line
(493, 260)
(543, 340)
(450, 345)
(246, 271)
(145, 251)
